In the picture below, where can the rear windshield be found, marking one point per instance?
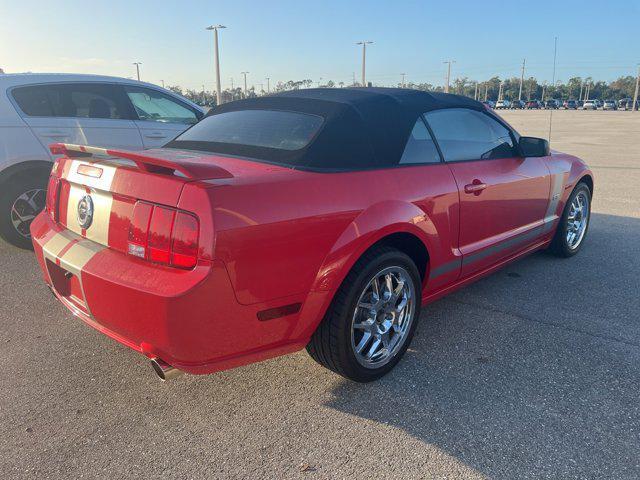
(272, 129)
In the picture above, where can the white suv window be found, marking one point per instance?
(75, 100)
(154, 106)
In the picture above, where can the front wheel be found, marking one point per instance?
(574, 223)
(372, 319)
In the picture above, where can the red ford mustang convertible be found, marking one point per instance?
(318, 218)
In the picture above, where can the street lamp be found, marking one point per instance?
(137, 64)
(217, 60)
(364, 44)
(245, 83)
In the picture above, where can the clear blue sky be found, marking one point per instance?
(302, 39)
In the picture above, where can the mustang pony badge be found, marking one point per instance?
(85, 211)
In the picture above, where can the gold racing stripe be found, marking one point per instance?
(99, 190)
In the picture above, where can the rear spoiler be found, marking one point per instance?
(145, 162)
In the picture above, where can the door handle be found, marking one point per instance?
(476, 187)
(155, 135)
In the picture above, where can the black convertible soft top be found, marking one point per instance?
(363, 127)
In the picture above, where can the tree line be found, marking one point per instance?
(575, 88)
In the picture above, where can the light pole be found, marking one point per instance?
(475, 95)
(521, 79)
(268, 85)
(403, 84)
(162, 83)
(364, 44)
(448, 62)
(217, 60)
(137, 64)
(581, 87)
(204, 98)
(486, 91)
(635, 95)
(245, 83)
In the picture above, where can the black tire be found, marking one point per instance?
(331, 345)
(559, 245)
(11, 191)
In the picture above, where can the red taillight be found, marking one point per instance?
(184, 251)
(159, 243)
(139, 230)
(52, 195)
(164, 235)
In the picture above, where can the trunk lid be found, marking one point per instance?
(95, 190)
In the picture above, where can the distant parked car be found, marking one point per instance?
(517, 104)
(609, 105)
(570, 104)
(628, 105)
(552, 104)
(622, 103)
(489, 104)
(534, 105)
(502, 104)
(590, 105)
(37, 110)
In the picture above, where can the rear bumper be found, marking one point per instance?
(191, 319)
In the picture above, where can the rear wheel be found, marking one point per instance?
(574, 223)
(372, 318)
(22, 197)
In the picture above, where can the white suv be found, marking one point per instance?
(37, 110)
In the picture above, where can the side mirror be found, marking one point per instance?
(534, 147)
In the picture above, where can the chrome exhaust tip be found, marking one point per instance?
(164, 370)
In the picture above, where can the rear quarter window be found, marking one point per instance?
(33, 101)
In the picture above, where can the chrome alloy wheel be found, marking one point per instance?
(383, 317)
(25, 208)
(577, 220)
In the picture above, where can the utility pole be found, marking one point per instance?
(475, 95)
(216, 53)
(364, 44)
(486, 91)
(137, 64)
(268, 86)
(544, 87)
(500, 91)
(204, 98)
(231, 83)
(403, 75)
(162, 83)
(635, 95)
(354, 80)
(448, 62)
(521, 79)
(245, 83)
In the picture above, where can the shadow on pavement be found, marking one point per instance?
(531, 372)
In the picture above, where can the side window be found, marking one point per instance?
(33, 101)
(464, 134)
(75, 100)
(155, 106)
(420, 147)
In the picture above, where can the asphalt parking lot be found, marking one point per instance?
(533, 372)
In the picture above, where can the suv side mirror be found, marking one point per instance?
(534, 147)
